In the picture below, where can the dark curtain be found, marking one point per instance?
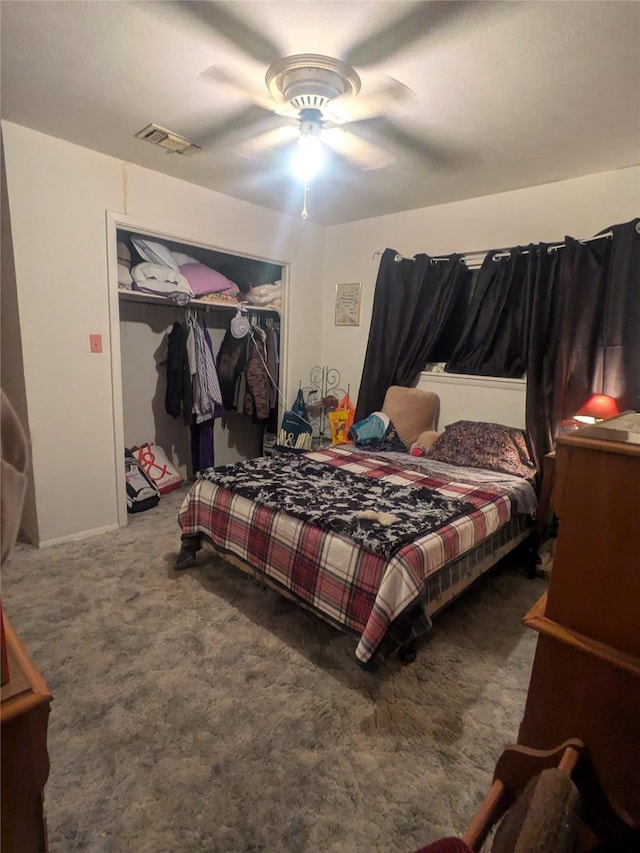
(585, 330)
(494, 338)
(618, 360)
(416, 310)
(582, 276)
(541, 363)
(569, 317)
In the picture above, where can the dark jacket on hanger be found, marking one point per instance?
(231, 362)
(256, 398)
(179, 396)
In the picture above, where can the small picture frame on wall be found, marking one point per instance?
(348, 304)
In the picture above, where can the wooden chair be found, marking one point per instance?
(516, 767)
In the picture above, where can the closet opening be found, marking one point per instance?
(170, 295)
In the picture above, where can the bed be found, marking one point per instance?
(341, 558)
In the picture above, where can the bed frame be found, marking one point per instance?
(470, 566)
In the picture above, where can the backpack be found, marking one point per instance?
(142, 492)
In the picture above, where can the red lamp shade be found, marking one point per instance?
(597, 408)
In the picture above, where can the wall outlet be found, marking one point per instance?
(95, 343)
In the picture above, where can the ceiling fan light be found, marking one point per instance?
(308, 157)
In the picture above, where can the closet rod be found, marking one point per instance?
(499, 253)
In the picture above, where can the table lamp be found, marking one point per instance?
(597, 408)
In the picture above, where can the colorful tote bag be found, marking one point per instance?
(341, 421)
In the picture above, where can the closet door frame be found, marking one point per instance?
(114, 222)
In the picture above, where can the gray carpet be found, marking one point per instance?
(199, 711)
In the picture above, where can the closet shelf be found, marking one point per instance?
(137, 296)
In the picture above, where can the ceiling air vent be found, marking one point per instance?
(167, 139)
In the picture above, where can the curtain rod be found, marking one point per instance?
(499, 253)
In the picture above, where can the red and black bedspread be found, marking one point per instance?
(361, 588)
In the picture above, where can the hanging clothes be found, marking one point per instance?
(179, 394)
(207, 391)
(193, 387)
(256, 398)
(202, 446)
(209, 401)
(231, 362)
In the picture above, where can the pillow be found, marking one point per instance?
(124, 255)
(154, 253)
(205, 280)
(494, 447)
(412, 411)
(180, 258)
(161, 281)
(124, 266)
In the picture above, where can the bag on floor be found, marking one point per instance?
(159, 467)
(142, 492)
(295, 429)
(341, 420)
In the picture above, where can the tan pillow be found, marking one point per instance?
(427, 438)
(412, 411)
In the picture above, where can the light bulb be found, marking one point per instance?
(308, 157)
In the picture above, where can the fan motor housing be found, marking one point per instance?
(309, 80)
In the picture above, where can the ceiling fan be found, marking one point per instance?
(317, 95)
(317, 98)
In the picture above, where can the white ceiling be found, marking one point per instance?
(505, 94)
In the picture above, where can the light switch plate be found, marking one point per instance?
(95, 343)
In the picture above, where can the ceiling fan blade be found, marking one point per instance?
(218, 74)
(346, 108)
(234, 129)
(364, 154)
(270, 139)
(218, 17)
(420, 21)
(443, 155)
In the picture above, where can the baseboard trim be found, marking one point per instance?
(75, 537)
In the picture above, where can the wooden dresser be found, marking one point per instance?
(585, 681)
(24, 714)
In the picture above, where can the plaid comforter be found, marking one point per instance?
(354, 588)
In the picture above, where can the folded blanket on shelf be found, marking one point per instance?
(265, 294)
(161, 281)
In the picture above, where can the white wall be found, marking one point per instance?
(58, 194)
(579, 207)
